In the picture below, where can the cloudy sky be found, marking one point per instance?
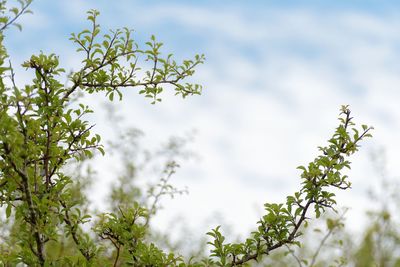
(275, 76)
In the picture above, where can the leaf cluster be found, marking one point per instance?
(111, 63)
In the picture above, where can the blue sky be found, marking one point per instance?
(275, 76)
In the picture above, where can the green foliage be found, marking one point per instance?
(281, 223)
(13, 13)
(43, 129)
(111, 63)
(376, 243)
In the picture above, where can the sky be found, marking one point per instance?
(275, 77)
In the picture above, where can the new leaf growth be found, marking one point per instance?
(281, 224)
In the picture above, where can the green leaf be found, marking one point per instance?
(8, 210)
(14, 10)
(19, 27)
(111, 96)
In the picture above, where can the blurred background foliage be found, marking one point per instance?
(325, 241)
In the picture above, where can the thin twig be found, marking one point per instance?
(294, 255)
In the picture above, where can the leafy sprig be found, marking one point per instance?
(280, 226)
(14, 14)
(111, 63)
